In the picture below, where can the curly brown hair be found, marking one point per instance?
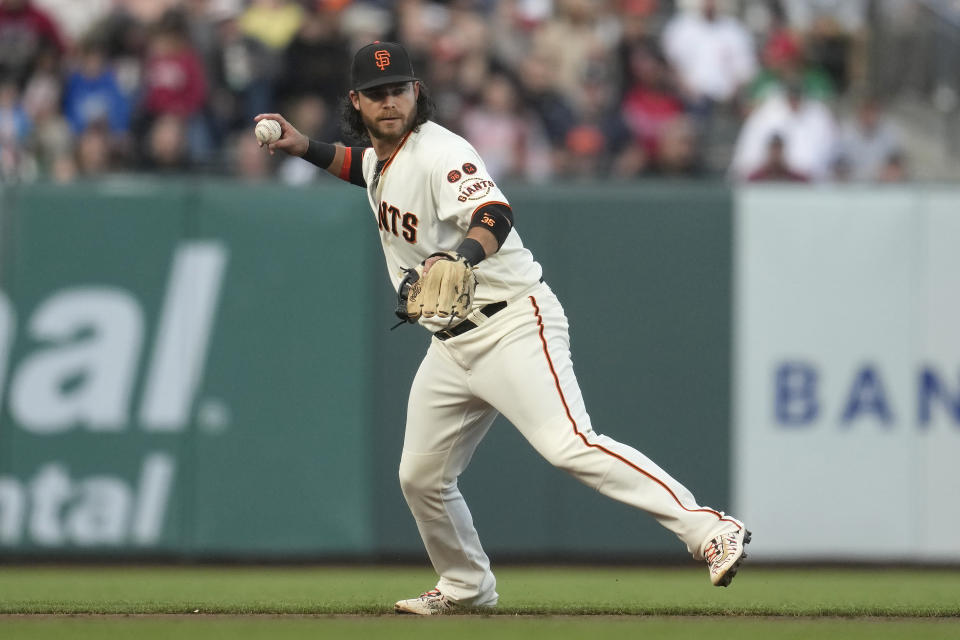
(352, 123)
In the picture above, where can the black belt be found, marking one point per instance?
(466, 325)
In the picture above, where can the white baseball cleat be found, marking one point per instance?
(724, 555)
(431, 603)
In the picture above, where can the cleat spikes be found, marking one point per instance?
(724, 554)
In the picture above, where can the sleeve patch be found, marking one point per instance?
(454, 176)
(469, 168)
(474, 189)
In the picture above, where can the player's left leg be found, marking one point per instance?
(528, 376)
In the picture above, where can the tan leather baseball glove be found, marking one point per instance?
(445, 291)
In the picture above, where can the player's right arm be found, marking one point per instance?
(345, 163)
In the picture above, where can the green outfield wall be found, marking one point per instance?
(200, 369)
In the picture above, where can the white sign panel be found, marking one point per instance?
(847, 372)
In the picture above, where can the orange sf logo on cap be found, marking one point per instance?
(382, 56)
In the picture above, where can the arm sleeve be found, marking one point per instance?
(495, 217)
(352, 169)
(322, 155)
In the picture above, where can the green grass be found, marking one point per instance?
(356, 602)
(758, 591)
(463, 628)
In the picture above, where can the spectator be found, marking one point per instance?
(712, 55)
(418, 24)
(472, 76)
(317, 61)
(868, 140)
(26, 33)
(512, 24)
(236, 76)
(894, 168)
(806, 126)
(274, 23)
(774, 167)
(834, 34)
(204, 18)
(51, 139)
(455, 45)
(465, 33)
(64, 169)
(573, 40)
(362, 23)
(210, 27)
(540, 91)
(93, 157)
(637, 32)
(679, 154)
(93, 95)
(249, 162)
(125, 42)
(166, 145)
(269, 27)
(174, 77)
(784, 60)
(175, 85)
(510, 142)
(445, 76)
(312, 116)
(43, 90)
(650, 104)
(600, 144)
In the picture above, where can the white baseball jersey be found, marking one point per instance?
(424, 199)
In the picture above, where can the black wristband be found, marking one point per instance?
(472, 251)
(320, 153)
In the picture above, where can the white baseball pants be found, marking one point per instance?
(518, 363)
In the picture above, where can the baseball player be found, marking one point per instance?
(500, 342)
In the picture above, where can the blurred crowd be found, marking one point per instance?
(544, 89)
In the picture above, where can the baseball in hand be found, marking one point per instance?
(267, 131)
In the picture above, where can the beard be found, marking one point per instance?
(393, 134)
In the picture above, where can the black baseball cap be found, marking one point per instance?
(380, 63)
